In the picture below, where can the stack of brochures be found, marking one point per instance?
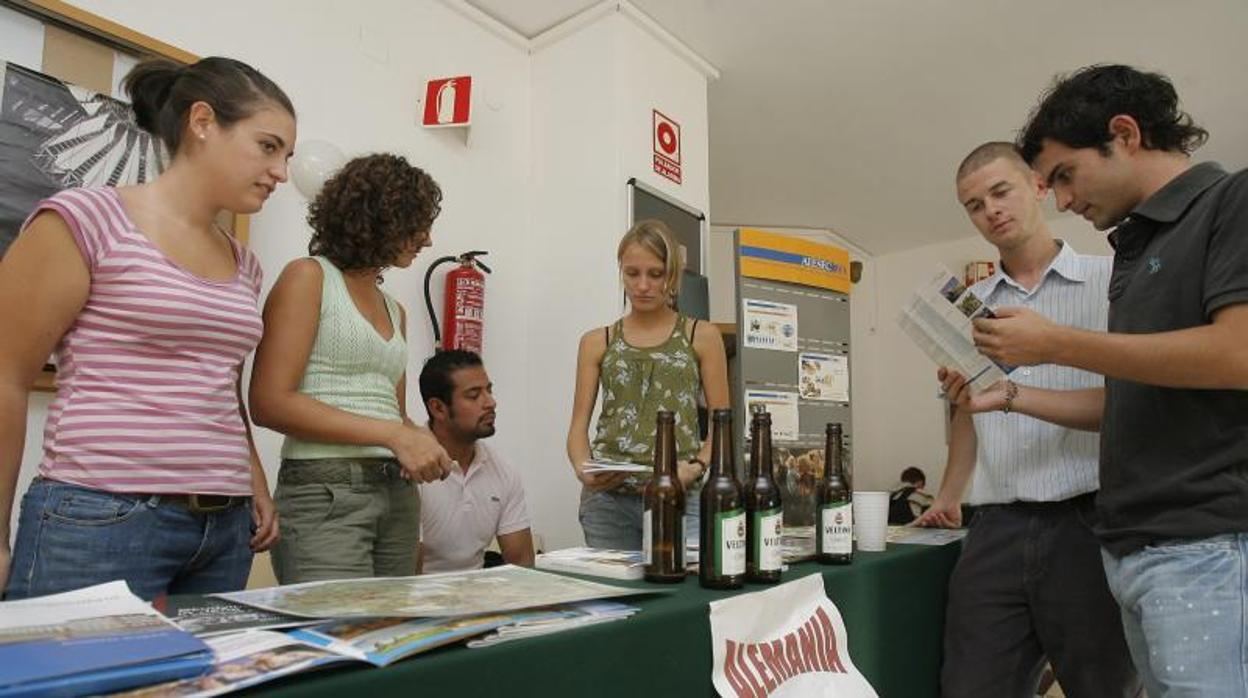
(798, 543)
(575, 615)
(599, 562)
(94, 640)
(914, 535)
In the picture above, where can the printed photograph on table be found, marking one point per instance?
(823, 377)
(769, 325)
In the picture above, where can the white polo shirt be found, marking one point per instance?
(461, 515)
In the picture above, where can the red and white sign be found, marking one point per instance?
(786, 641)
(666, 136)
(448, 102)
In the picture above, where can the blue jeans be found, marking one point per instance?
(612, 519)
(1183, 609)
(69, 537)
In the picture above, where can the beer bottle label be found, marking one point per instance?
(647, 530)
(768, 540)
(730, 542)
(837, 528)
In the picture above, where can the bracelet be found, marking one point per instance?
(701, 464)
(1011, 392)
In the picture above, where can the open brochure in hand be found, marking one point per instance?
(611, 466)
(599, 562)
(207, 616)
(938, 318)
(94, 640)
(245, 659)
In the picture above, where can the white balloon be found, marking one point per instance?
(313, 163)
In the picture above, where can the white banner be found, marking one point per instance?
(785, 641)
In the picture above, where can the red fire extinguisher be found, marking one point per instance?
(463, 305)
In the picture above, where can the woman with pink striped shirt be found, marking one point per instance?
(148, 471)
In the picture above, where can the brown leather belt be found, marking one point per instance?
(204, 503)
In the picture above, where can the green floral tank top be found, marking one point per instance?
(637, 382)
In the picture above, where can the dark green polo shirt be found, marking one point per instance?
(1174, 462)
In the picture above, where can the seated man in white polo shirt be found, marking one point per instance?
(483, 496)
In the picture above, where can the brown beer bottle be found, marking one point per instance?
(721, 526)
(834, 515)
(763, 515)
(663, 501)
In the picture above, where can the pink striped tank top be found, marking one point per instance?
(146, 398)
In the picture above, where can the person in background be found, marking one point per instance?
(149, 474)
(651, 359)
(483, 498)
(909, 499)
(331, 372)
(1029, 581)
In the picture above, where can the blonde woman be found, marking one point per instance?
(653, 358)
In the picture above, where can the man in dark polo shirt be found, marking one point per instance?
(1173, 505)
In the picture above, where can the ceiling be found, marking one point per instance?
(852, 115)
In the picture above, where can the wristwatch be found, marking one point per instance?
(1011, 392)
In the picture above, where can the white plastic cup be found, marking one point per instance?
(871, 520)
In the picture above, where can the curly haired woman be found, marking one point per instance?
(330, 374)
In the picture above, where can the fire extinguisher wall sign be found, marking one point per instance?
(448, 102)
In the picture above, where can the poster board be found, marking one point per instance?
(793, 354)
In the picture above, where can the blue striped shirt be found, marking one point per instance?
(1020, 458)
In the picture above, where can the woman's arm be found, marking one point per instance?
(263, 510)
(588, 366)
(291, 319)
(44, 282)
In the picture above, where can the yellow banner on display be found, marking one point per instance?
(795, 260)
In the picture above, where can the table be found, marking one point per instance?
(893, 603)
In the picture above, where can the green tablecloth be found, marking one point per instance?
(893, 604)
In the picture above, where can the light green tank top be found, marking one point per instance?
(351, 367)
(637, 382)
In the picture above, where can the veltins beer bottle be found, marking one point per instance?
(721, 540)
(663, 501)
(763, 515)
(834, 527)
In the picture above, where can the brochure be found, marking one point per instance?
(245, 659)
(381, 641)
(207, 616)
(599, 562)
(98, 639)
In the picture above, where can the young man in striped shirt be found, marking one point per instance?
(1029, 583)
